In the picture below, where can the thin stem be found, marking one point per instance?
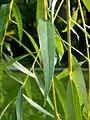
(45, 6)
(55, 103)
(88, 54)
(69, 39)
(60, 5)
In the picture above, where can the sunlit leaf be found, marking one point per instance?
(4, 18)
(74, 112)
(18, 18)
(62, 95)
(19, 106)
(63, 74)
(59, 46)
(47, 47)
(79, 81)
(38, 107)
(87, 4)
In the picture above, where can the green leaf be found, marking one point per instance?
(18, 18)
(74, 17)
(62, 95)
(19, 106)
(32, 41)
(6, 108)
(35, 105)
(47, 47)
(8, 47)
(63, 74)
(79, 81)
(4, 18)
(87, 4)
(74, 112)
(59, 46)
(39, 14)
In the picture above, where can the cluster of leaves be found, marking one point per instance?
(72, 96)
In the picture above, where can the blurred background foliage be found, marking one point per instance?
(28, 13)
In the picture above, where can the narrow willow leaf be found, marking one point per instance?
(12, 60)
(39, 14)
(59, 46)
(87, 4)
(47, 47)
(19, 106)
(18, 18)
(63, 74)
(41, 87)
(32, 41)
(78, 79)
(4, 18)
(62, 96)
(13, 76)
(39, 108)
(74, 112)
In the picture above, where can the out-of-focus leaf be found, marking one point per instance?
(74, 16)
(39, 14)
(46, 36)
(78, 79)
(4, 18)
(19, 106)
(8, 47)
(35, 105)
(18, 18)
(62, 96)
(8, 105)
(13, 76)
(87, 4)
(74, 112)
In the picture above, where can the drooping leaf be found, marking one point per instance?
(19, 106)
(47, 48)
(87, 4)
(38, 107)
(74, 112)
(18, 18)
(61, 95)
(4, 18)
(32, 41)
(79, 81)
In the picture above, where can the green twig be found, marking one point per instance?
(69, 38)
(88, 54)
